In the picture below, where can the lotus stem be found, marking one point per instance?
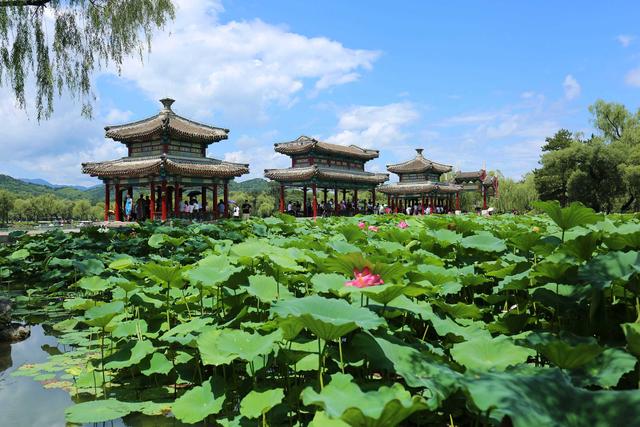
(340, 351)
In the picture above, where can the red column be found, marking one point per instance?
(433, 204)
(118, 203)
(226, 199)
(304, 201)
(152, 201)
(163, 195)
(176, 199)
(355, 201)
(215, 201)
(389, 201)
(204, 199)
(484, 197)
(282, 198)
(106, 201)
(315, 201)
(335, 201)
(458, 201)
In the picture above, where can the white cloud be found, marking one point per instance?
(625, 39)
(374, 126)
(571, 87)
(240, 68)
(633, 77)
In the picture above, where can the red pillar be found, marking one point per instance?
(484, 197)
(226, 199)
(389, 201)
(106, 201)
(458, 201)
(433, 204)
(355, 201)
(215, 201)
(118, 203)
(152, 201)
(204, 199)
(422, 205)
(163, 196)
(304, 201)
(176, 199)
(315, 201)
(281, 198)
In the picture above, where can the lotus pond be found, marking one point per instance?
(366, 321)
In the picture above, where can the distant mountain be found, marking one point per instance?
(255, 185)
(46, 183)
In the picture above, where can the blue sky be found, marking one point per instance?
(470, 82)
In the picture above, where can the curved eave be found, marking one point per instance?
(418, 188)
(222, 170)
(326, 174)
(304, 144)
(178, 127)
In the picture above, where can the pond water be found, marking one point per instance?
(24, 402)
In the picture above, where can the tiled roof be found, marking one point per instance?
(305, 144)
(470, 176)
(145, 166)
(419, 188)
(419, 164)
(178, 128)
(328, 174)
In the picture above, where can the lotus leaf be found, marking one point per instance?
(254, 404)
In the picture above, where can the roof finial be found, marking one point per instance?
(419, 151)
(166, 103)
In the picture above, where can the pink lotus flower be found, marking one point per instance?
(373, 228)
(403, 224)
(364, 279)
(362, 225)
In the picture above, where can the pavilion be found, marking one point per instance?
(321, 165)
(419, 185)
(167, 155)
(478, 181)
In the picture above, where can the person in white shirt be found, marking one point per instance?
(236, 212)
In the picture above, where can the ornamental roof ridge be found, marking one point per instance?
(304, 144)
(419, 164)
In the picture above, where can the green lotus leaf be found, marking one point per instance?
(328, 319)
(266, 289)
(98, 411)
(198, 403)
(166, 274)
(545, 397)
(222, 346)
(632, 334)
(605, 370)
(461, 310)
(89, 266)
(483, 242)
(445, 238)
(101, 315)
(343, 399)
(568, 356)
(320, 419)
(328, 283)
(566, 218)
(19, 255)
(482, 354)
(129, 354)
(382, 294)
(159, 364)
(129, 328)
(211, 271)
(93, 284)
(123, 262)
(251, 249)
(254, 404)
(78, 304)
(602, 269)
(343, 247)
(157, 240)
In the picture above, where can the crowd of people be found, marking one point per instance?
(349, 207)
(140, 209)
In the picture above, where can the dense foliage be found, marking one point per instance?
(58, 44)
(602, 171)
(429, 321)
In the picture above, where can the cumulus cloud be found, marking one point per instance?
(240, 68)
(374, 126)
(571, 87)
(633, 77)
(625, 39)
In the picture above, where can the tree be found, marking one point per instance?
(561, 140)
(6, 205)
(516, 195)
(59, 50)
(82, 210)
(552, 178)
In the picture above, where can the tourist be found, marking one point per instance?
(140, 208)
(221, 208)
(246, 210)
(147, 208)
(236, 212)
(128, 207)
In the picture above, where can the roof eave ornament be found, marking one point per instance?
(166, 103)
(419, 151)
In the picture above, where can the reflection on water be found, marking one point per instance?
(24, 402)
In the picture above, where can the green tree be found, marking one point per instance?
(85, 36)
(558, 163)
(561, 140)
(7, 201)
(516, 195)
(82, 210)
